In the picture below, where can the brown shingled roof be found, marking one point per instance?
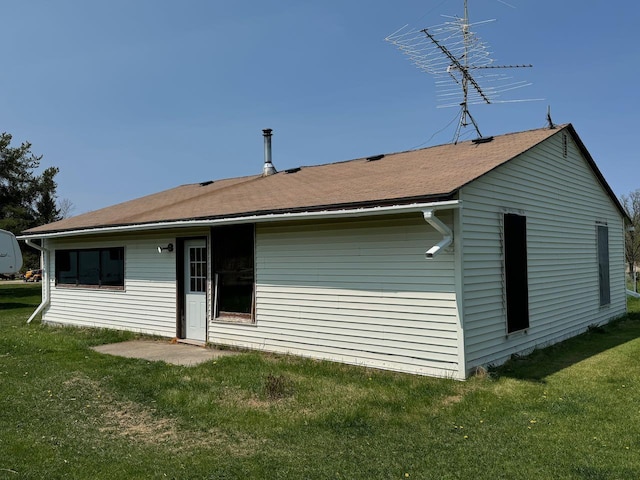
(434, 173)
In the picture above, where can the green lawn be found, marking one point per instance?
(568, 412)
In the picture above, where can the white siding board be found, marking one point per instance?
(389, 344)
(356, 291)
(373, 320)
(355, 307)
(429, 298)
(562, 199)
(422, 364)
(375, 328)
(438, 307)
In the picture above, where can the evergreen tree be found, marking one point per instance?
(26, 199)
(45, 203)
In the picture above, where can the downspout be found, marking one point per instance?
(45, 278)
(447, 234)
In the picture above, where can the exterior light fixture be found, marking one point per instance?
(168, 248)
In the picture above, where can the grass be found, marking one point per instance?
(571, 411)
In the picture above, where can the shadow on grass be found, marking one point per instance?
(12, 305)
(19, 291)
(546, 361)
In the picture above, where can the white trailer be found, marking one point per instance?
(10, 254)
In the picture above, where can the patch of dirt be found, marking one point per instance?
(127, 419)
(463, 390)
(451, 400)
(137, 423)
(238, 398)
(117, 417)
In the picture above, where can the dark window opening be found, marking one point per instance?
(233, 266)
(603, 264)
(98, 267)
(515, 272)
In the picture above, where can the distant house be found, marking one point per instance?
(524, 244)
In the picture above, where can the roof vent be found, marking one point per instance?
(208, 182)
(374, 158)
(292, 170)
(268, 168)
(482, 140)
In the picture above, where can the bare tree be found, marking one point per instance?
(66, 208)
(631, 204)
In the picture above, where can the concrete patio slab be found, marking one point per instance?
(165, 351)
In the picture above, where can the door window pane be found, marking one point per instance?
(197, 269)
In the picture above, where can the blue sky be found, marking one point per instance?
(133, 97)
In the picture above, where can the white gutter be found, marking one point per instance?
(274, 217)
(633, 294)
(447, 234)
(45, 278)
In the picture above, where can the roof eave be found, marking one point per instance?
(319, 212)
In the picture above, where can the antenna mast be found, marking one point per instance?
(466, 77)
(460, 63)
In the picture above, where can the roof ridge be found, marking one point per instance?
(466, 142)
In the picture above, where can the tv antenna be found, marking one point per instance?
(461, 65)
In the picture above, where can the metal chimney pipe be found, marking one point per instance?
(268, 169)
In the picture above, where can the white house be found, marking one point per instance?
(524, 242)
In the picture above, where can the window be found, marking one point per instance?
(515, 272)
(602, 240)
(233, 268)
(97, 267)
(197, 269)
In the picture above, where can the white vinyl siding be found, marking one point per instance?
(148, 302)
(562, 201)
(358, 292)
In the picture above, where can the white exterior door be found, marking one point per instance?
(195, 289)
